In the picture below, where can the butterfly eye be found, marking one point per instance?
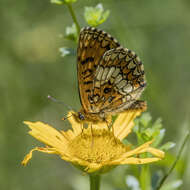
(81, 116)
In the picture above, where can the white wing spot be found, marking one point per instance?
(116, 72)
(128, 88)
(111, 70)
(118, 79)
(121, 84)
(100, 72)
(104, 75)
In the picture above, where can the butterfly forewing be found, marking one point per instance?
(93, 43)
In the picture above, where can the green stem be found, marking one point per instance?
(69, 5)
(94, 182)
(174, 164)
(145, 178)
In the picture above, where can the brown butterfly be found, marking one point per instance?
(110, 78)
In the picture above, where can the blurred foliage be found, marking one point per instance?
(60, 2)
(31, 68)
(71, 33)
(95, 16)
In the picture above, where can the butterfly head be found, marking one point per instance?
(83, 117)
(79, 116)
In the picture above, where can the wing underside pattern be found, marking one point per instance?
(110, 78)
(93, 43)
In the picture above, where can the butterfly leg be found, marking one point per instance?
(82, 129)
(111, 128)
(92, 142)
(109, 124)
(65, 117)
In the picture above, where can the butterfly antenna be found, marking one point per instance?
(59, 101)
(65, 117)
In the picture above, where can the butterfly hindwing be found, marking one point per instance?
(118, 82)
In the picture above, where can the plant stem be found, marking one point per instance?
(145, 178)
(69, 5)
(94, 182)
(175, 162)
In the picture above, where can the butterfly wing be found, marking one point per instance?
(93, 43)
(118, 83)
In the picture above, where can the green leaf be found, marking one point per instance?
(157, 124)
(147, 130)
(95, 16)
(71, 32)
(159, 137)
(167, 146)
(172, 185)
(145, 119)
(136, 127)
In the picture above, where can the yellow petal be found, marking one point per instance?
(124, 123)
(144, 148)
(156, 152)
(132, 160)
(93, 167)
(48, 135)
(45, 150)
(69, 134)
(141, 149)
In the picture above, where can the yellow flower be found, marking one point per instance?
(95, 148)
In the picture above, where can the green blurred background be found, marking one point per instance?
(31, 68)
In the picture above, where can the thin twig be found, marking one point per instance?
(73, 16)
(175, 162)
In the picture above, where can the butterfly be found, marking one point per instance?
(110, 78)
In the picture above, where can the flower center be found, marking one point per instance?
(97, 146)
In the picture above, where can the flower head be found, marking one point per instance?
(95, 148)
(95, 16)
